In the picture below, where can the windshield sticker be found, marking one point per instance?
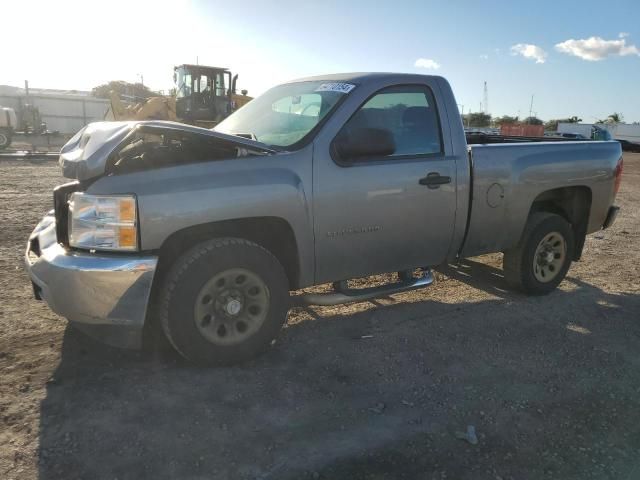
(336, 87)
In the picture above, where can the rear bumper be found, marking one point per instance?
(611, 216)
(90, 289)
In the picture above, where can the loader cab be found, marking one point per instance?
(203, 94)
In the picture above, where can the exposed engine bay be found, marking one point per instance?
(148, 148)
(118, 147)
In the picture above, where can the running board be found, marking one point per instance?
(348, 295)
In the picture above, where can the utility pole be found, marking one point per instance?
(531, 107)
(486, 98)
(461, 107)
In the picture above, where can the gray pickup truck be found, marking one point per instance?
(321, 180)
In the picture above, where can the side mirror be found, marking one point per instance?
(364, 143)
(234, 80)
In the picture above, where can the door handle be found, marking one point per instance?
(434, 180)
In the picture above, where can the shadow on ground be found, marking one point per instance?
(551, 385)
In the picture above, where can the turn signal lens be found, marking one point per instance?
(128, 210)
(127, 237)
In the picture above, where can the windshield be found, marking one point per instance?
(183, 83)
(286, 114)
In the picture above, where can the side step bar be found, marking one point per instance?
(343, 294)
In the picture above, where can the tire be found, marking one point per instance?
(5, 139)
(546, 235)
(204, 301)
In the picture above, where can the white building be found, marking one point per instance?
(66, 111)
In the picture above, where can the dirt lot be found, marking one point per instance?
(376, 390)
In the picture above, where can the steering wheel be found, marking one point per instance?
(316, 104)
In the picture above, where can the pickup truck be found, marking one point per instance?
(204, 233)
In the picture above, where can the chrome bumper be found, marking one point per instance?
(89, 288)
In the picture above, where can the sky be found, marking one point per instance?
(574, 57)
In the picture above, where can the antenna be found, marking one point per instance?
(486, 98)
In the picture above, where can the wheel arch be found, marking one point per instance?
(274, 234)
(571, 203)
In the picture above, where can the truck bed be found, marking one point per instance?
(508, 177)
(483, 139)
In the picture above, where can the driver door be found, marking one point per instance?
(390, 209)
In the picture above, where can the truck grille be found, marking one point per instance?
(61, 209)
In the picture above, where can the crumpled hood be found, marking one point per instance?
(85, 155)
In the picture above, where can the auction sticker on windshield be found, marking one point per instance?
(335, 87)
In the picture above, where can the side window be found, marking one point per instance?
(395, 122)
(200, 84)
(220, 89)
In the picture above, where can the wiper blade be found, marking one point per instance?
(250, 136)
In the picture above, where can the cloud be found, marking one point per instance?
(595, 49)
(427, 63)
(623, 34)
(529, 51)
(484, 56)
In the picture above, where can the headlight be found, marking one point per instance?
(103, 222)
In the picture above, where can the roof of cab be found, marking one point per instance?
(364, 77)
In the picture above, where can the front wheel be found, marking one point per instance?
(543, 256)
(224, 301)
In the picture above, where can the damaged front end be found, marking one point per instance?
(105, 289)
(113, 147)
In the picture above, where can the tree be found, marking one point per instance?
(137, 91)
(505, 120)
(476, 119)
(532, 121)
(615, 117)
(552, 125)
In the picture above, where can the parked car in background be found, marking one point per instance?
(572, 136)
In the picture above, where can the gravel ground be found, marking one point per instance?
(376, 390)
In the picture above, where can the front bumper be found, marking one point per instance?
(100, 290)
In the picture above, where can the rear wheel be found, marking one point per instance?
(541, 260)
(224, 301)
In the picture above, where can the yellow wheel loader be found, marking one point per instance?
(204, 96)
